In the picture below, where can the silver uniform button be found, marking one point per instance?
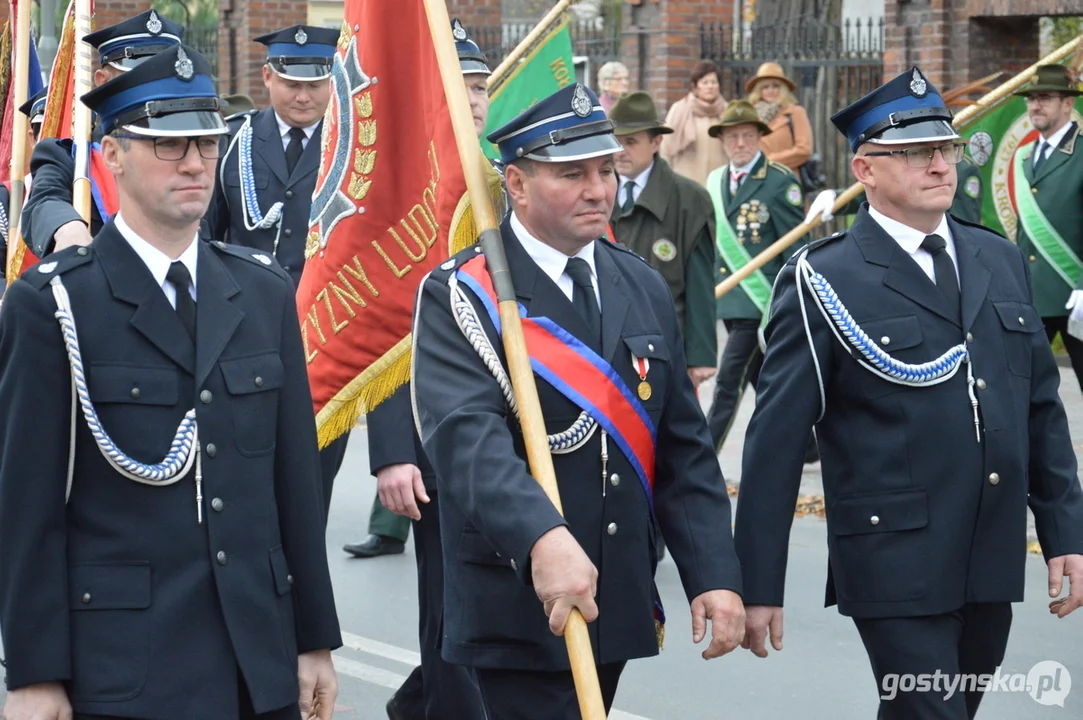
(614, 480)
(135, 393)
(874, 520)
(514, 565)
(1022, 321)
(221, 557)
(969, 337)
(981, 384)
(885, 340)
(86, 598)
(289, 579)
(212, 450)
(994, 479)
(259, 381)
(650, 347)
(612, 529)
(217, 504)
(206, 396)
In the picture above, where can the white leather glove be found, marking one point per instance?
(823, 205)
(1075, 319)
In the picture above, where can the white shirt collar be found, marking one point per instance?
(548, 258)
(1055, 138)
(157, 261)
(640, 180)
(284, 129)
(746, 169)
(910, 238)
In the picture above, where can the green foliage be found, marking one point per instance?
(1065, 29)
(204, 13)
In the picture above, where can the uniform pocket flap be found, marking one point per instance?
(881, 512)
(280, 569)
(898, 333)
(130, 384)
(110, 586)
(252, 374)
(473, 548)
(1018, 317)
(647, 346)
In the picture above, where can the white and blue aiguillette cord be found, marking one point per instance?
(182, 453)
(878, 362)
(253, 217)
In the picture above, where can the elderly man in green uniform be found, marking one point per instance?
(1048, 196)
(756, 202)
(667, 220)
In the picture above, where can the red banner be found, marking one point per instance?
(59, 107)
(383, 213)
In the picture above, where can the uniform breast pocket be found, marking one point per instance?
(232, 175)
(1020, 321)
(899, 337)
(253, 384)
(120, 393)
(655, 384)
(110, 629)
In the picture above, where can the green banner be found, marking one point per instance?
(547, 68)
(992, 142)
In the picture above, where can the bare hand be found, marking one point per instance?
(1070, 566)
(398, 486)
(71, 234)
(319, 684)
(564, 578)
(727, 615)
(700, 374)
(760, 618)
(46, 701)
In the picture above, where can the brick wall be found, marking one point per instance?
(661, 43)
(111, 12)
(475, 13)
(240, 21)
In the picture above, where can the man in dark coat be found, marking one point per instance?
(268, 173)
(626, 461)
(911, 343)
(168, 559)
(50, 222)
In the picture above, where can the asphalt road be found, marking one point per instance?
(822, 674)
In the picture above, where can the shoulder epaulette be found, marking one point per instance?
(978, 226)
(816, 244)
(786, 169)
(256, 257)
(240, 116)
(622, 248)
(56, 264)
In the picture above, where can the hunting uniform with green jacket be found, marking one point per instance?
(671, 226)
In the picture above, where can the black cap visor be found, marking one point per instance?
(474, 67)
(580, 149)
(919, 132)
(128, 57)
(190, 123)
(302, 69)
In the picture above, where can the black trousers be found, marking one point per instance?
(969, 642)
(437, 690)
(330, 462)
(535, 695)
(738, 368)
(1073, 345)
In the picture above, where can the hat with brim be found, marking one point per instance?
(129, 43)
(170, 95)
(472, 60)
(636, 112)
(304, 53)
(770, 71)
(737, 113)
(34, 108)
(1051, 78)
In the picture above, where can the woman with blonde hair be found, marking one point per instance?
(790, 140)
(689, 150)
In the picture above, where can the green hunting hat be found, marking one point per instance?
(1052, 78)
(739, 112)
(636, 112)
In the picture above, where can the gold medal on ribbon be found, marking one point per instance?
(642, 365)
(644, 390)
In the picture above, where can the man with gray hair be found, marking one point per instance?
(613, 81)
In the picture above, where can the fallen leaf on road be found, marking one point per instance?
(732, 490)
(1034, 547)
(809, 505)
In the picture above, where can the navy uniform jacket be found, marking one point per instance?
(225, 218)
(49, 204)
(121, 594)
(492, 511)
(921, 518)
(393, 438)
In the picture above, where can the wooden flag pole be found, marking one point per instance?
(522, 376)
(20, 127)
(527, 43)
(965, 116)
(81, 116)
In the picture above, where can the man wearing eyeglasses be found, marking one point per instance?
(1048, 195)
(167, 559)
(911, 343)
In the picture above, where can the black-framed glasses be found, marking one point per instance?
(922, 157)
(176, 148)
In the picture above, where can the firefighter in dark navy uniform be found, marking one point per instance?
(168, 559)
(514, 567)
(268, 173)
(49, 220)
(911, 343)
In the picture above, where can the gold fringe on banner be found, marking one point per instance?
(6, 52)
(381, 379)
(62, 69)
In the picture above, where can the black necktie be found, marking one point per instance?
(294, 149)
(583, 294)
(1042, 148)
(629, 197)
(179, 277)
(943, 268)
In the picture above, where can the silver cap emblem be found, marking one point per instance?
(918, 85)
(581, 104)
(183, 66)
(457, 31)
(301, 37)
(154, 25)
(262, 258)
